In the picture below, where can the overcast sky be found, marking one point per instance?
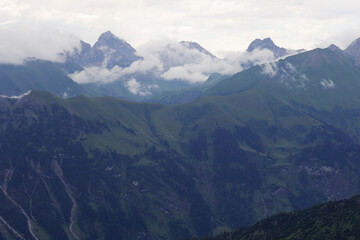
(218, 25)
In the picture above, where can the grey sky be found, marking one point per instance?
(218, 25)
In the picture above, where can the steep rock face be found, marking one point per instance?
(109, 51)
(353, 51)
(82, 56)
(112, 51)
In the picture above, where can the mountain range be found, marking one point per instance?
(278, 136)
(112, 67)
(275, 137)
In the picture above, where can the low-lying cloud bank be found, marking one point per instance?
(19, 42)
(174, 61)
(165, 59)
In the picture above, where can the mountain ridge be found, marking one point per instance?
(168, 162)
(332, 220)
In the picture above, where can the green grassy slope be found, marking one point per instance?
(246, 154)
(319, 78)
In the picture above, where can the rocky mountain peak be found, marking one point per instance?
(110, 40)
(261, 44)
(267, 43)
(108, 51)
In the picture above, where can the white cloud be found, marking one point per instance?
(138, 88)
(20, 42)
(270, 69)
(179, 62)
(240, 59)
(12, 9)
(17, 97)
(97, 75)
(327, 83)
(184, 73)
(151, 62)
(173, 61)
(292, 81)
(27, 30)
(217, 24)
(234, 62)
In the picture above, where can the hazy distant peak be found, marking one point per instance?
(107, 34)
(267, 43)
(261, 44)
(112, 41)
(195, 45)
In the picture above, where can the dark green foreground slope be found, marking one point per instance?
(332, 220)
(104, 168)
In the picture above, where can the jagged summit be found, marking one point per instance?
(112, 51)
(260, 44)
(108, 51)
(267, 43)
